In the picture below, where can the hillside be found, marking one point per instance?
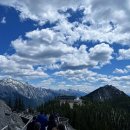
(106, 93)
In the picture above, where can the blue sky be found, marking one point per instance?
(61, 44)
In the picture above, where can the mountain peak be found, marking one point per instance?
(9, 80)
(109, 86)
(12, 82)
(107, 92)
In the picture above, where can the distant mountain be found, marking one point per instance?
(71, 92)
(11, 89)
(105, 93)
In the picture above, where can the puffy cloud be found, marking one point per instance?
(76, 60)
(54, 48)
(120, 71)
(76, 75)
(125, 70)
(41, 47)
(89, 80)
(12, 68)
(44, 47)
(44, 10)
(102, 53)
(106, 18)
(124, 54)
(33, 49)
(40, 10)
(44, 35)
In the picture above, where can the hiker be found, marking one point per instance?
(37, 126)
(60, 127)
(42, 119)
(30, 126)
(51, 122)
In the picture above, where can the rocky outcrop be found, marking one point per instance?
(7, 117)
(5, 113)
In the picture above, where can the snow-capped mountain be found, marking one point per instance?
(10, 89)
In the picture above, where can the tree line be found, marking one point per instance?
(17, 105)
(91, 115)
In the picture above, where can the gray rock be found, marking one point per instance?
(7, 117)
(15, 122)
(5, 113)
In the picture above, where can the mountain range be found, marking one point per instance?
(11, 89)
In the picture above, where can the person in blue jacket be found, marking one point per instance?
(42, 119)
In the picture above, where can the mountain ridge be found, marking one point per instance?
(107, 92)
(10, 89)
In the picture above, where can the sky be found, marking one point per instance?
(66, 44)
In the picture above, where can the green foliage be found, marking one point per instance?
(19, 104)
(92, 115)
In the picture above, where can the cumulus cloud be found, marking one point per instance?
(106, 18)
(91, 80)
(76, 73)
(102, 53)
(120, 71)
(76, 60)
(40, 10)
(124, 54)
(44, 47)
(12, 68)
(54, 47)
(125, 70)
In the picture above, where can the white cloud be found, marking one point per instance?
(12, 68)
(77, 59)
(124, 54)
(40, 10)
(72, 73)
(44, 47)
(120, 71)
(102, 53)
(44, 35)
(128, 67)
(125, 70)
(53, 48)
(3, 20)
(91, 80)
(99, 13)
